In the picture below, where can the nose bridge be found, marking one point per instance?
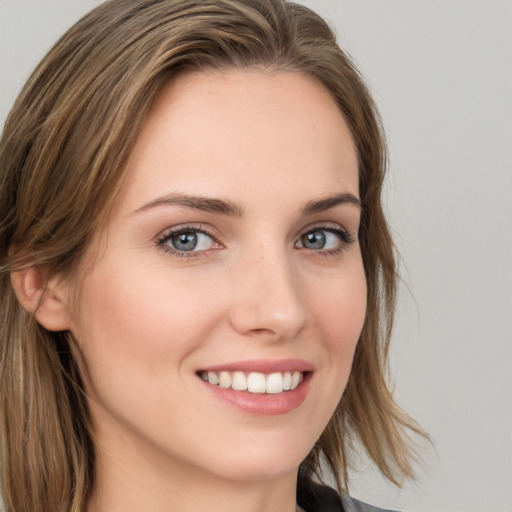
(268, 299)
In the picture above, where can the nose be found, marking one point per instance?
(267, 298)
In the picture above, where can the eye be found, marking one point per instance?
(190, 241)
(187, 240)
(329, 239)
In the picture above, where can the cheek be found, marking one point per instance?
(338, 308)
(136, 330)
(136, 324)
(341, 310)
(340, 315)
(141, 306)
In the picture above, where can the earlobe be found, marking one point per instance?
(47, 299)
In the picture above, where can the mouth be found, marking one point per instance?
(255, 382)
(261, 388)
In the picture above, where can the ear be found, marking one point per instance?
(47, 298)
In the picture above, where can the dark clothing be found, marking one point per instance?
(313, 497)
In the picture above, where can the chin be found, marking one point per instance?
(249, 471)
(262, 462)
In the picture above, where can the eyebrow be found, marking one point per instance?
(225, 207)
(206, 204)
(327, 203)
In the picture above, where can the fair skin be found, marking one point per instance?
(221, 253)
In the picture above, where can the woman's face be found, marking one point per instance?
(231, 255)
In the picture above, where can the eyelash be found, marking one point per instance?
(166, 236)
(344, 236)
(345, 239)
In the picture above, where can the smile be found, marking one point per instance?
(260, 387)
(254, 382)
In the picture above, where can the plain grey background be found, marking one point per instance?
(441, 72)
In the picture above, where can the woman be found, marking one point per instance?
(197, 277)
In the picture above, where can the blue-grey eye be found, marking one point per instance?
(320, 239)
(187, 241)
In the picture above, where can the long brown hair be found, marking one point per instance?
(61, 163)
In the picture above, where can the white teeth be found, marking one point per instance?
(295, 380)
(212, 378)
(287, 381)
(239, 381)
(224, 380)
(274, 383)
(255, 382)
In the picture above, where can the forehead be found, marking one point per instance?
(241, 130)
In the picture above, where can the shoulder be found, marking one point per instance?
(352, 505)
(313, 497)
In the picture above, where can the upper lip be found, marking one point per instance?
(263, 366)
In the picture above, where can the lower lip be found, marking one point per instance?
(263, 404)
